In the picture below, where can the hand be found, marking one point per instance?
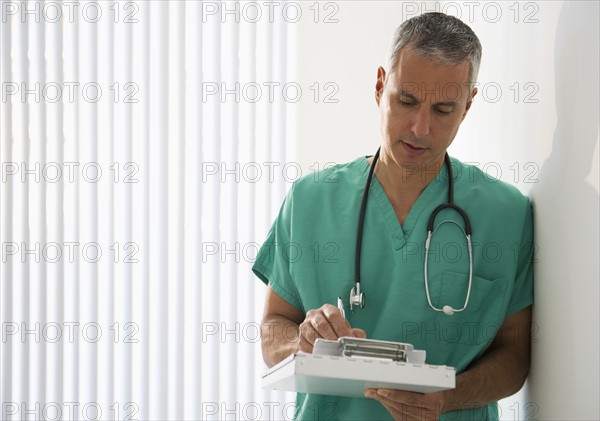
(409, 405)
(327, 323)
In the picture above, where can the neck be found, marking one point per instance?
(403, 184)
(405, 180)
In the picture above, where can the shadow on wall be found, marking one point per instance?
(566, 208)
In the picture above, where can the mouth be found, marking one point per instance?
(413, 149)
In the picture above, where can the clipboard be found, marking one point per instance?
(348, 366)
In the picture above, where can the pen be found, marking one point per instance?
(341, 307)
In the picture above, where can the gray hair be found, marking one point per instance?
(441, 37)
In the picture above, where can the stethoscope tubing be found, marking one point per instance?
(357, 297)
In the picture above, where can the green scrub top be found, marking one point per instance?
(308, 260)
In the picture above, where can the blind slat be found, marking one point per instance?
(87, 278)
(153, 296)
(194, 351)
(141, 226)
(158, 217)
(176, 193)
(124, 241)
(6, 219)
(55, 224)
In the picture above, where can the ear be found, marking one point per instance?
(469, 102)
(380, 84)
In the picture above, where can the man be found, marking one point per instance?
(422, 98)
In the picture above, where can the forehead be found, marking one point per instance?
(422, 76)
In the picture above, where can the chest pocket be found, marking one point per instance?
(480, 321)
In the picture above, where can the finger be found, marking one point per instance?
(400, 395)
(410, 404)
(392, 409)
(389, 397)
(307, 329)
(321, 324)
(396, 415)
(306, 345)
(400, 411)
(316, 326)
(358, 333)
(339, 325)
(376, 394)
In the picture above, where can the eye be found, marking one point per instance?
(445, 110)
(407, 102)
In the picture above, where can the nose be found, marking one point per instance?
(420, 126)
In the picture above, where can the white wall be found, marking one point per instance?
(339, 53)
(534, 123)
(566, 201)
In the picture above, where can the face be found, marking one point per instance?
(421, 105)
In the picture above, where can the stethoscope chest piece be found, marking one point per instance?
(357, 298)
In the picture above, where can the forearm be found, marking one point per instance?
(495, 376)
(499, 373)
(279, 339)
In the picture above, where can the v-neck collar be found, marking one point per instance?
(400, 233)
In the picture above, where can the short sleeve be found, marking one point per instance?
(522, 292)
(272, 264)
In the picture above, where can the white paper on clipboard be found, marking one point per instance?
(330, 373)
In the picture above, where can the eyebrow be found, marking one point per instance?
(414, 98)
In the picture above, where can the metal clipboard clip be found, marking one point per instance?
(369, 348)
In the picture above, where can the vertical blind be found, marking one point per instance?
(138, 142)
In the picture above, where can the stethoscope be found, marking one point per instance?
(357, 297)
